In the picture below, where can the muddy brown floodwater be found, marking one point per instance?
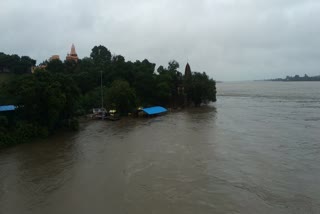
(257, 150)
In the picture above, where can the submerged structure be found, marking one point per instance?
(154, 110)
(7, 108)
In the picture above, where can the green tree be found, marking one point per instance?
(55, 66)
(86, 75)
(173, 66)
(144, 81)
(168, 82)
(15, 64)
(100, 55)
(202, 89)
(46, 99)
(121, 96)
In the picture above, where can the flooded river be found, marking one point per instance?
(257, 150)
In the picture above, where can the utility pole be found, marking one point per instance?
(101, 92)
(102, 111)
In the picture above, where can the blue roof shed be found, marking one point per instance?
(154, 110)
(7, 108)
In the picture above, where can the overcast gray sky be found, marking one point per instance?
(229, 39)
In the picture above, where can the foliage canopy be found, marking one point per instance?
(51, 98)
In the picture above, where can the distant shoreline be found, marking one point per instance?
(291, 80)
(297, 78)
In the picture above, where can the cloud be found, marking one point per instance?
(229, 39)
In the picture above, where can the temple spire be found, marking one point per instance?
(187, 72)
(73, 54)
(73, 50)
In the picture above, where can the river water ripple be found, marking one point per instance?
(256, 150)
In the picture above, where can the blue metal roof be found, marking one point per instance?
(7, 108)
(154, 110)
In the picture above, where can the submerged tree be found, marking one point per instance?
(121, 96)
(57, 92)
(46, 99)
(202, 89)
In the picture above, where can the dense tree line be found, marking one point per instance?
(298, 78)
(53, 97)
(15, 64)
